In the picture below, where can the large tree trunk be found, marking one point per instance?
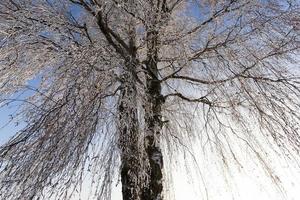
(133, 160)
(135, 157)
(146, 158)
(153, 119)
(129, 140)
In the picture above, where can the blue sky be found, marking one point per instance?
(8, 127)
(7, 130)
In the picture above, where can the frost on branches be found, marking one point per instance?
(119, 86)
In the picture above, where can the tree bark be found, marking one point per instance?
(136, 158)
(153, 119)
(132, 151)
(152, 142)
(148, 158)
(129, 139)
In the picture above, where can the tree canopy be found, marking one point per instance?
(120, 86)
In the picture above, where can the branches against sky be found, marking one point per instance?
(227, 71)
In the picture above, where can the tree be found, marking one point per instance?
(119, 82)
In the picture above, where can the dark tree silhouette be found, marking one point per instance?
(119, 84)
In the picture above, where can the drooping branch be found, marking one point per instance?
(203, 99)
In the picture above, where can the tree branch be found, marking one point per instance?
(203, 99)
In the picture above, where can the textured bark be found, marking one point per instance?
(128, 141)
(152, 140)
(134, 185)
(153, 119)
(133, 181)
(150, 185)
